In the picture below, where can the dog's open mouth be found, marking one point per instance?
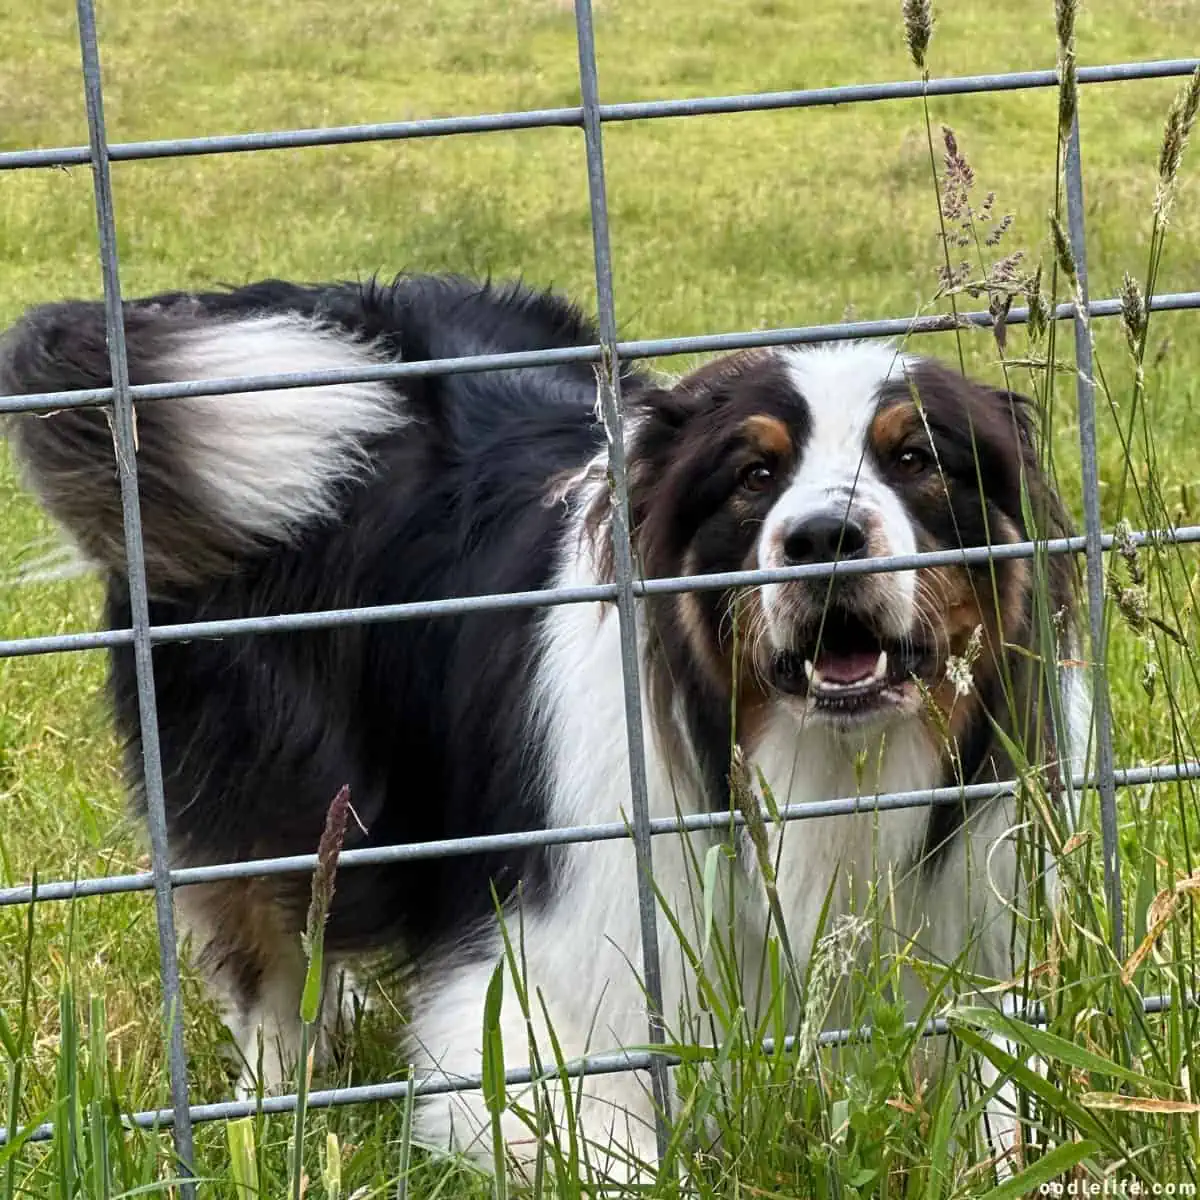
(846, 669)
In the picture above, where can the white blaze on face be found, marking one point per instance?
(835, 473)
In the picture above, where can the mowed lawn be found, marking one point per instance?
(718, 223)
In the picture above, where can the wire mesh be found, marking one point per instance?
(589, 116)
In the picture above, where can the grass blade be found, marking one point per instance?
(1048, 1167)
(494, 1094)
(243, 1158)
(1049, 1046)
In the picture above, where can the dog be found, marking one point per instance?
(463, 484)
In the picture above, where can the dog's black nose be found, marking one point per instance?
(825, 537)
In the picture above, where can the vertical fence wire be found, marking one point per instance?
(610, 399)
(1093, 548)
(125, 446)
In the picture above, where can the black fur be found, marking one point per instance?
(427, 722)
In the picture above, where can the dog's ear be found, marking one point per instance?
(658, 415)
(1023, 413)
(656, 419)
(653, 418)
(657, 422)
(1005, 413)
(1049, 514)
(672, 408)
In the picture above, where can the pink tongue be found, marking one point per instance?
(847, 668)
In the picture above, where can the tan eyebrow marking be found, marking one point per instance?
(770, 435)
(893, 425)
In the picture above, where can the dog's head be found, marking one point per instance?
(779, 458)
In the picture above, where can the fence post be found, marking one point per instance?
(126, 453)
(1093, 547)
(610, 401)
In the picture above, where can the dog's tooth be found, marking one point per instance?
(810, 672)
(881, 664)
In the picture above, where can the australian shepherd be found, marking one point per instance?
(376, 493)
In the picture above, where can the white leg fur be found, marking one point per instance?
(269, 1011)
(275, 1021)
(614, 1115)
(972, 894)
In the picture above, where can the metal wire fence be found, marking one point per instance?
(590, 116)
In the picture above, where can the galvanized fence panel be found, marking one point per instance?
(627, 589)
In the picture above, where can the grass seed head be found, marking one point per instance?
(328, 850)
(1068, 84)
(1063, 254)
(1149, 678)
(1180, 120)
(1068, 95)
(959, 178)
(1133, 603)
(998, 307)
(1133, 313)
(960, 668)
(1065, 12)
(918, 29)
(997, 234)
(1039, 308)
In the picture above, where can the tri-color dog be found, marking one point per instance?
(373, 493)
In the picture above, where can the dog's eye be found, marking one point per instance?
(757, 477)
(914, 460)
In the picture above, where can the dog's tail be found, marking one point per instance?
(219, 476)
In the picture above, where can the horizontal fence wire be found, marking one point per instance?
(78, 889)
(58, 643)
(802, 335)
(572, 116)
(587, 116)
(400, 1090)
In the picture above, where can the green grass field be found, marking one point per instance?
(718, 223)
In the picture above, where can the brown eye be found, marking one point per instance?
(914, 460)
(757, 477)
